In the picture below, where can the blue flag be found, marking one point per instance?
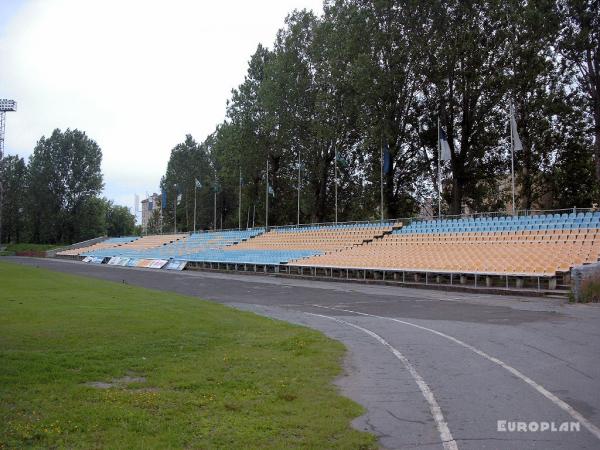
(444, 146)
(387, 160)
(163, 202)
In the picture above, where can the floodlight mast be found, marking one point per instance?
(5, 106)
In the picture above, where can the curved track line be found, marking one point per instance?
(440, 422)
(541, 389)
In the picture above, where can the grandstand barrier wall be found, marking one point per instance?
(579, 276)
(525, 284)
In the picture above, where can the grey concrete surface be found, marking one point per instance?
(555, 345)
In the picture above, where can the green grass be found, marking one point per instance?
(214, 377)
(30, 247)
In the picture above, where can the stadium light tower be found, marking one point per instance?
(5, 106)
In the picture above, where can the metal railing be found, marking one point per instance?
(405, 220)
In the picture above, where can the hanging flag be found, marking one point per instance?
(198, 184)
(179, 198)
(163, 202)
(387, 160)
(216, 187)
(444, 146)
(517, 144)
(271, 191)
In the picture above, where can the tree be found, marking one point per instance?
(13, 173)
(65, 180)
(188, 162)
(119, 220)
(580, 46)
(154, 223)
(372, 74)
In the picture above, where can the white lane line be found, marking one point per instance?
(440, 422)
(541, 389)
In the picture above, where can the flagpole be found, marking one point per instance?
(175, 211)
(195, 198)
(215, 204)
(240, 202)
(267, 199)
(298, 211)
(336, 183)
(512, 162)
(381, 174)
(439, 172)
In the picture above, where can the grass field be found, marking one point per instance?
(92, 364)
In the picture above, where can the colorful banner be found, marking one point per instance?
(176, 265)
(144, 263)
(158, 263)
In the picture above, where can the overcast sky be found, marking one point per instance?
(136, 75)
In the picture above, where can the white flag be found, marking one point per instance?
(517, 144)
(198, 184)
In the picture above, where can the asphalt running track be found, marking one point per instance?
(433, 369)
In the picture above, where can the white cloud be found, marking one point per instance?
(135, 75)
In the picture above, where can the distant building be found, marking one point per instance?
(148, 206)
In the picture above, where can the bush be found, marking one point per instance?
(590, 290)
(25, 247)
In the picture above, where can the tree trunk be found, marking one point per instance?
(390, 202)
(457, 195)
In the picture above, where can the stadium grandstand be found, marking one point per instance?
(535, 251)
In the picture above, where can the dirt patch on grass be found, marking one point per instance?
(122, 382)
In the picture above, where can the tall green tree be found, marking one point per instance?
(119, 220)
(188, 161)
(579, 44)
(65, 180)
(13, 173)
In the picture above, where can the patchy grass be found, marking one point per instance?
(93, 364)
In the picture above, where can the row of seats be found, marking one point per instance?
(250, 256)
(505, 223)
(336, 227)
(107, 243)
(321, 240)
